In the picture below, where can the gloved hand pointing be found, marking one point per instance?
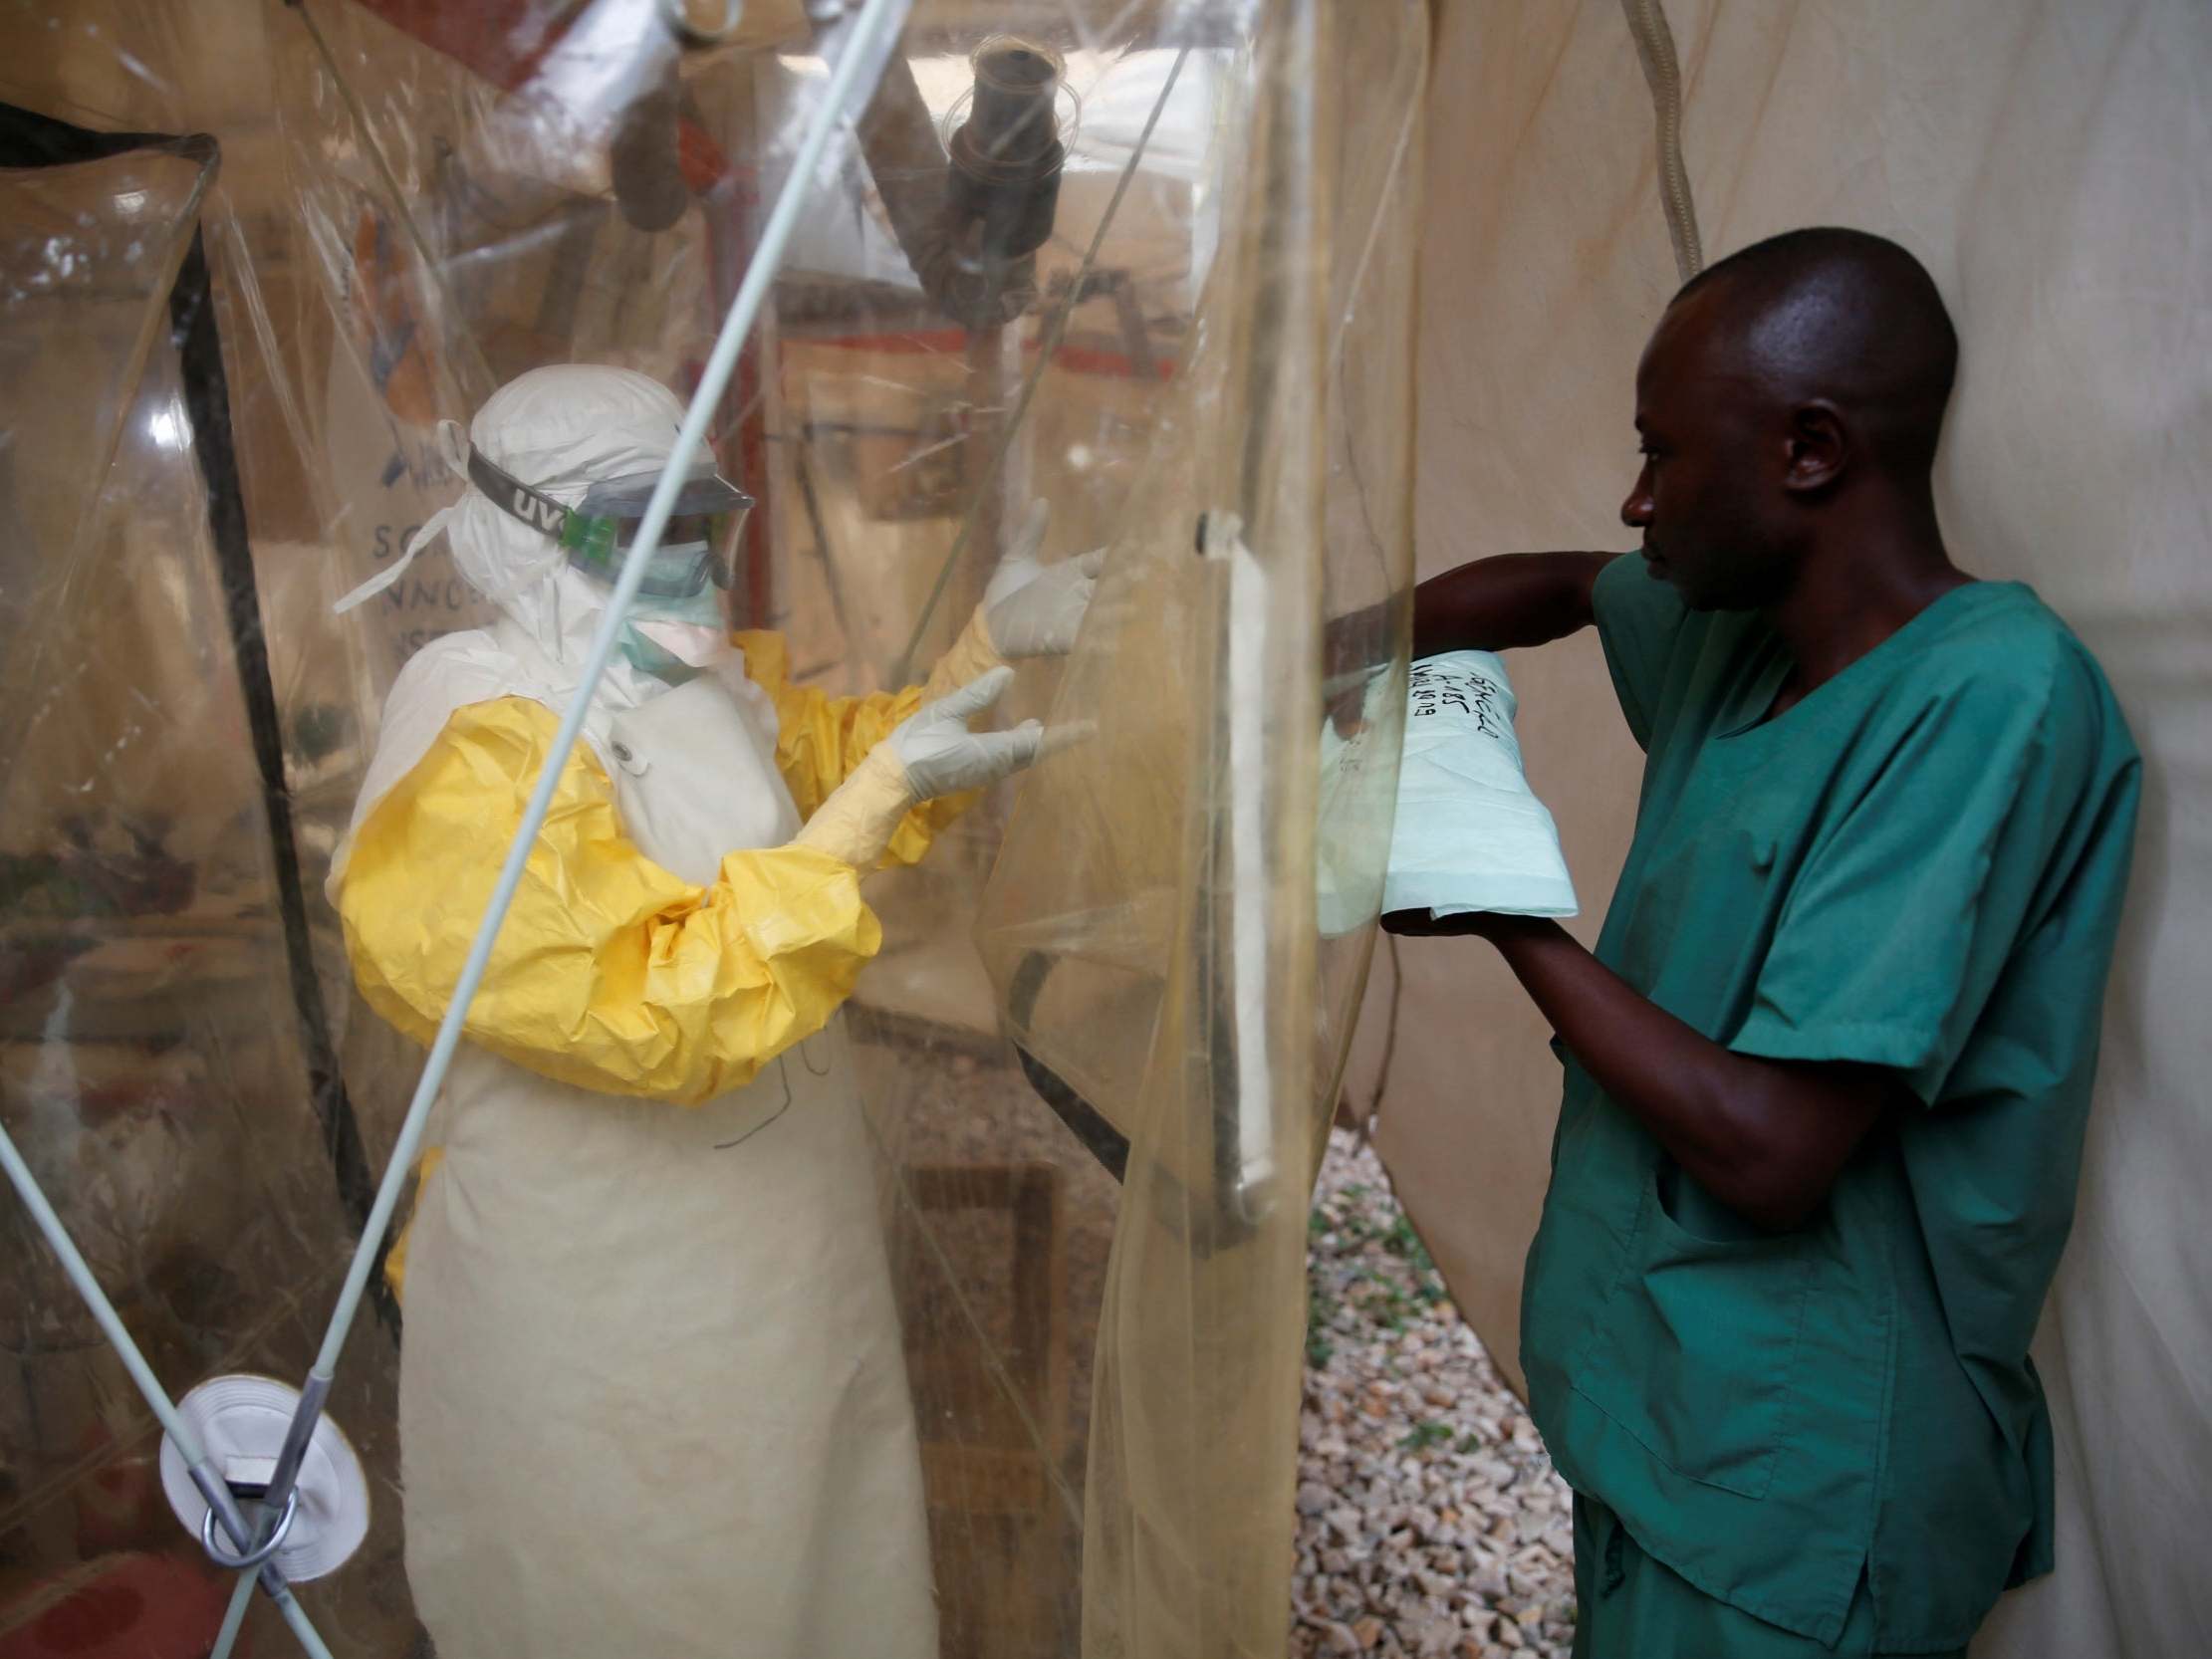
(940, 754)
(928, 754)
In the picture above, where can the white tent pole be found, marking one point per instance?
(103, 1310)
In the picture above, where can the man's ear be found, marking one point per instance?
(1818, 447)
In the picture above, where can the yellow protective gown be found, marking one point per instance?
(651, 1395)
(613, 972)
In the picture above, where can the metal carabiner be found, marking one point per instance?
(222, 1557)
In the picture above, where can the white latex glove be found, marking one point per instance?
(942, 757)
(1034, 609)
(929, 753)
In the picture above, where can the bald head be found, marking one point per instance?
(1835, 316)
(1790, 404)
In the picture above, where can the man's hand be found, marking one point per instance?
(1424, 924)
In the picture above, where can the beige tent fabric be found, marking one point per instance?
(1531, 316)
(2052, 164)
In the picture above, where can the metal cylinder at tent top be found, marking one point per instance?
(1007, 156)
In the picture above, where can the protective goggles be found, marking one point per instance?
(709, 515)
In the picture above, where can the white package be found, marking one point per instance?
(1469, 835)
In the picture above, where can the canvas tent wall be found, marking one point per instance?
(2052, 166)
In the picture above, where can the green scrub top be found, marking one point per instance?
(1919, 865)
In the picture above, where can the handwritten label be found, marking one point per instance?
(1435, 690)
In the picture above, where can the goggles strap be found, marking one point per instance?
(516, 499)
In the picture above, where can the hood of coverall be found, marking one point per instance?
(562, 429)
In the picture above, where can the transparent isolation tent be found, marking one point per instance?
(1149, 261)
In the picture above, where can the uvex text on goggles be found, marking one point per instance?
(709, 515)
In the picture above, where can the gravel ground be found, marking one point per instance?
(1430, 1520)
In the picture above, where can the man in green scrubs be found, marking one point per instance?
(1828, 1067)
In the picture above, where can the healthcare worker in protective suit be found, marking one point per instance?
(652, 1396)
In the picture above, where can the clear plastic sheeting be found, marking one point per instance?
(164, 1058)
(1149, 264)
(1151, 923)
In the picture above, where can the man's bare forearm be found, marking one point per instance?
(1766, 1138)
(1513, 600)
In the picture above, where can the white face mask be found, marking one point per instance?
(673, 638)
(694, 644)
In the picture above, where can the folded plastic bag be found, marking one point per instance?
(1469, 835)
